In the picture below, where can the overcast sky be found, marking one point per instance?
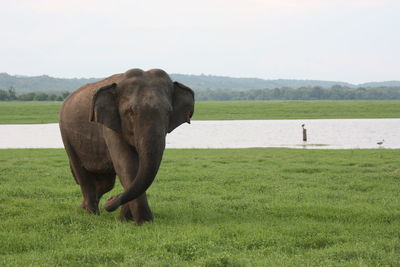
(343, 40)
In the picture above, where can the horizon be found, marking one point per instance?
(353, 41)
(202, 74)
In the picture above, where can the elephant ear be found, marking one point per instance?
(104, 108)
(182, 106)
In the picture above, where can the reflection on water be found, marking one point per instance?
(323, 134)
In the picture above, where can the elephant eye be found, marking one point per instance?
(129, 110)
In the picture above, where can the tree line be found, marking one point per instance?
(10, 95)
(335, 92)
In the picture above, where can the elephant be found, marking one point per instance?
(117, 127)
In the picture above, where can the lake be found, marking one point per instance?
(322, 134)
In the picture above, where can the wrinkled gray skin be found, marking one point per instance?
(117, 126)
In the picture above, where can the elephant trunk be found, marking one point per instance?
(150, 150)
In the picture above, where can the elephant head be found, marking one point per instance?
(142, 107)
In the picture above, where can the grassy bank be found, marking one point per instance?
(18, 112)
(296, 110)
(47, 112)
(232, 207)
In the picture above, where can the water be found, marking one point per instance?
(331, 134)
(325, 134)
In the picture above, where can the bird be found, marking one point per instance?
(302, 125)
(380, 142)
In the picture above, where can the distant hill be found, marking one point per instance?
(380, 84)
(44, 83)
(221, 82)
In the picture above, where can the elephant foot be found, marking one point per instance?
(91, 209)
(142, 213)
(140, 216)
(125, 214)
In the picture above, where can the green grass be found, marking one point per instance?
(228, 207)
(29, 112)
(269, 110)
(47, 112)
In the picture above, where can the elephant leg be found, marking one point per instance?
(104, 183)
(85, 180)
(137, 210)
(90, 201)
(126, 163)
(125, 213)
(141, 210)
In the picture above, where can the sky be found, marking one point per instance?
(353, 41)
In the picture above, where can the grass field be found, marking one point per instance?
(47, 112)
(228, 207)
(29, 112)
(268, 110)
